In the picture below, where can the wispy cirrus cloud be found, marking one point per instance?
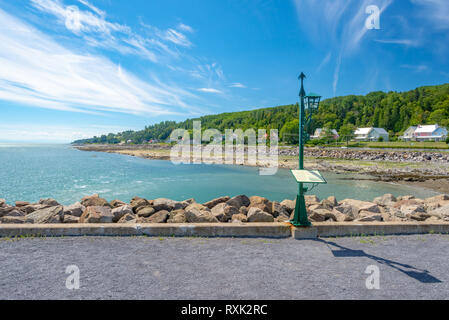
(435, 11)
(209, 90)
(93, 25)
(238, 85)
(341, 26)
(37, 71)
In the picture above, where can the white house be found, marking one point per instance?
(321, 133)
(371, 134)
(409, 134)
(430, 133)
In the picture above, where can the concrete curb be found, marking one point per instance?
(268, 230)
(263, 230)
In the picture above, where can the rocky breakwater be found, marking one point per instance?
(239, 209)
(370, 155)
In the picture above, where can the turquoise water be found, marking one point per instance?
(32, 172)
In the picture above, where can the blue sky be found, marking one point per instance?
(76, 68)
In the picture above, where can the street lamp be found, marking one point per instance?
(311, 102)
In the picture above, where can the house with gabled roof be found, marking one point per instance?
(430, 133)
(371, 134)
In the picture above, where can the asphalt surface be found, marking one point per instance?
(411, 267)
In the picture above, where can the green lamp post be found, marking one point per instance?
(311, 102)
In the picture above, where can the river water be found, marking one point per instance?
(31, 172)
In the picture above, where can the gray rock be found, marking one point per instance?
(69, 219)
(139, 203)
(75, 209)
(257, 215)
(5, 210)
(214, 202)
(333, 201)
(21, 204)
(280, 210)
(49, 202)
(289, 204)
(261, 203)
(117, 203)
(311, 199)
(195, 215)
(95, 201)
(47, 215)
(159, 217)
(177, 216)
(97, 214)
(15, 220)
(119, 212)
(15, 213)
(367, 216)
(2, 202)
(128, 218)
(145, 212)
(239, 218)
(164, 204)
(224, 212)
(386, 200)
(239, 201)
(362, 205)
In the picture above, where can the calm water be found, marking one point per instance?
(32, 172)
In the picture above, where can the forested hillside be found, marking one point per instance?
(393, 111)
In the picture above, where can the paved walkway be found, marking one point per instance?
(413, 267)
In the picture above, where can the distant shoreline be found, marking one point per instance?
(411, 167)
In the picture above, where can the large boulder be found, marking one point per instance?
(15, 220)
(343, 216)
(362, 205)
(164, 204)
(333, 201)
(279, 210)
(138, 203)
(95, 201)
(214, 202)
(442, 212)
(320, 215)
(21, 204)
(197, 213)
(289, 204)
(177, 216)
(47, 215)
(128, 218)
(68, 219)
(119, 212)
(2, 202)
(49, 202)
(5, 210)
(145, 212)
(366, 216)
(75, 209)
(117, 203)
(409, 202)
(224, 212)
(261, 203)
(386, 200)
(311, 199)
(15, 213)
(239, 201)
(97, 214)
(257, 215)
(239, 218)
(408, 210)
(159, 217)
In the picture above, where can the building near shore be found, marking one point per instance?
(430, 133)
(321, 133)
(409, 134)
(371, 134)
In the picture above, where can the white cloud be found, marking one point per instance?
(416, 68)
(93, 26)
(39, 72)
(436, 12)
(185, 28)
(405, 42)
(209, 90)
(237, 85)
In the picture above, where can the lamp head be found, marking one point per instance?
(312, 102)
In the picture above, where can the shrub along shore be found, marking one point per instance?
(239, 209)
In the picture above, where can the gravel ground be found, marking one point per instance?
(411, 267)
